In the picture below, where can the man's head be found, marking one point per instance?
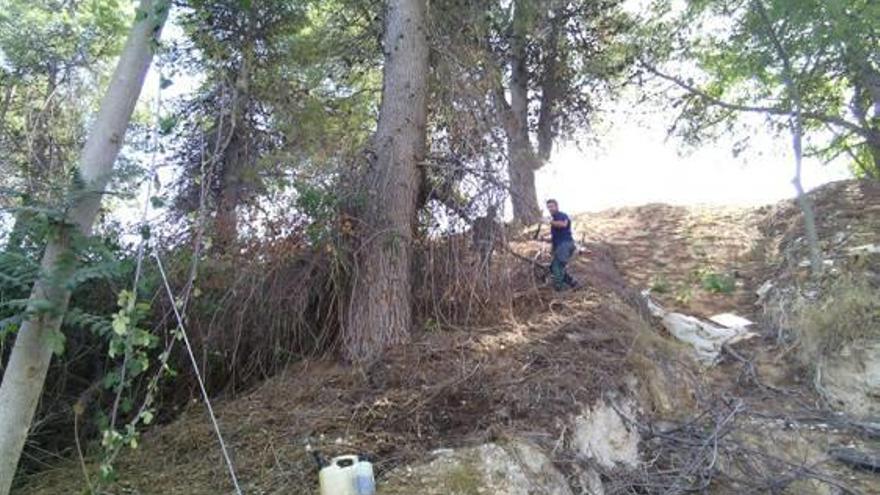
(552, 206)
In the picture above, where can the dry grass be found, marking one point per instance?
(526, 375)
(848, 313)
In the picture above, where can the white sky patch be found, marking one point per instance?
(634, 163)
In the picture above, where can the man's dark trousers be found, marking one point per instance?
(562, 254)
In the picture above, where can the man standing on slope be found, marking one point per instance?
(563, 246)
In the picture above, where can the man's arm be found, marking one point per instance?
(560, 224)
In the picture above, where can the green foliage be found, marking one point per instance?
(35, 34)
(718, 283)
(660, 285)
(301, 79)
(832, 47)
(321, 205)
(135, 346)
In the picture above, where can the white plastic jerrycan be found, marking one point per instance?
(347, 475)
(337, 478)
(364, 482)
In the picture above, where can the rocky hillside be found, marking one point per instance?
(593, 391)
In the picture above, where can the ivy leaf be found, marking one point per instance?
(56, 342)
(120, 324)
(110, 380)
(147, 417)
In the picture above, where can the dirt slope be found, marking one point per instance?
(523, 376)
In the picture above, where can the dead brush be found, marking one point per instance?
(848, 312)
(254, 316)
(456, 288)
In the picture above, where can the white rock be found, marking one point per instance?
(731, 320)
(763, 291)
(866, 249)
(601, 435)
(851, 379)
(515, 468)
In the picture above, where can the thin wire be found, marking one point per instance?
(192, 358)
(154, 147)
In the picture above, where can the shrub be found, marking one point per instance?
(660, 285)
(849, 312)
(718, 283)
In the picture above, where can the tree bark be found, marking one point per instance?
(549, 92)
(235, 158)
(521, 155)
(237, 154)
(29, 361)
(521, 172)
(380, 311)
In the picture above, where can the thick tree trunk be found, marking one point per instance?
(549, 92)
(26, 371)
(521, 172)
(380, 312)
(229, 196)
(522, 159)
(237, 154)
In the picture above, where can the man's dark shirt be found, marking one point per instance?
(560, 234)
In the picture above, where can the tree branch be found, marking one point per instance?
(819, 117)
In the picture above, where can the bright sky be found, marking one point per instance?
(634, 163)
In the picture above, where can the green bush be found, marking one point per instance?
(660, 285)
(718, 283)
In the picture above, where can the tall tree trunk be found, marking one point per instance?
(237, 154)
(380, 312)
(549, 91)
(522, 159)
(521, 173)
(29, 361)
(229, 195)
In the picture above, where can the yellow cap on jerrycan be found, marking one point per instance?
(338, 477)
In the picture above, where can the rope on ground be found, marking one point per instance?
(195, 365)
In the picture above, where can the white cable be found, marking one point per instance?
(154, 138)
(192, 358)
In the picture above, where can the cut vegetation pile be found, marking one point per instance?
(445, 389)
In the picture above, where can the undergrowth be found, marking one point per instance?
(848, 313)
